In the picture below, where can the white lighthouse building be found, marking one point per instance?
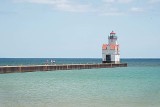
(110, 51)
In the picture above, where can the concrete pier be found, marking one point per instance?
(32, 68)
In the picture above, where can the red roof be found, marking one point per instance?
(112, 32)
(113, 47)
(104, 46)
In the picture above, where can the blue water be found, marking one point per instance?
(39, 61)
(137, 85)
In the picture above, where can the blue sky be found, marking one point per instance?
(78, 28)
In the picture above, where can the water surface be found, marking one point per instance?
(137, 85)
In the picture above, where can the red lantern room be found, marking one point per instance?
(112, 32)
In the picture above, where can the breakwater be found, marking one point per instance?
(32, 68)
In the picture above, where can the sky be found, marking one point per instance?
(78, 28)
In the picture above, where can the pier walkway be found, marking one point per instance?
(31, 68)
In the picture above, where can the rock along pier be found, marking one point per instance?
(32, 68)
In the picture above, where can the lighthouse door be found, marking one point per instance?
(108, 58)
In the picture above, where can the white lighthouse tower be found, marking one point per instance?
(110, 51)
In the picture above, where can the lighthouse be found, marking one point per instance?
(110, 51)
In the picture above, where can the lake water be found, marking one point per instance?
(137, 85)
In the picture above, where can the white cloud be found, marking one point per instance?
(109, 1)
(115, 7)
(137, 9)
(110, 11)
(117, 1)
(154, 1)
(72, 8)
(105, 7)
(37, 1)
(112, 14)
(64, 5)
(124, 1)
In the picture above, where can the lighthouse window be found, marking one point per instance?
(113, 37)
